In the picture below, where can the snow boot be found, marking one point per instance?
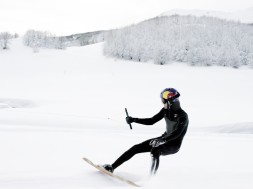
(108, 167)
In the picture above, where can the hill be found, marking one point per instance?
(195, 40)
(244, 16)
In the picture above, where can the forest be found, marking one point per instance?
(203, 41)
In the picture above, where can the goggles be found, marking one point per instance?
(164, 101)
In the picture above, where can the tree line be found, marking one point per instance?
(5, 38)
(43, 39)
(196, 40)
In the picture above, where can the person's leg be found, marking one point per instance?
(155, 159)
(154, 164)
(138, 148)
(165, 149)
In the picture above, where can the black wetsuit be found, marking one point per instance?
(176, 126)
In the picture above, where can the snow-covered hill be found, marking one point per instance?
(244, 16)
(57, 106)
(189, 39)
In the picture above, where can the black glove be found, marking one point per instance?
(129, 119)
(157, 142)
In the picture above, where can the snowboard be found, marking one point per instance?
(102, 170)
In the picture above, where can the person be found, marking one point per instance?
(168, 143)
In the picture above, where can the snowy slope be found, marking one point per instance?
(244, 16)
(57, 106)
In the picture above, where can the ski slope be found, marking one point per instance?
(57, 106)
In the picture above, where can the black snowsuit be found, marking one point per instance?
(176, 126)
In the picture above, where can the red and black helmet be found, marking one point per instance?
(169, 95)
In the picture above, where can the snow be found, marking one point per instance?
(57, 106)
(244, 16)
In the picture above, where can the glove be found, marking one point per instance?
(157, 142)
(129, 120)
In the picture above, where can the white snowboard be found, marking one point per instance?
(101, 169)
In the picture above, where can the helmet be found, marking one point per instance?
(169, 95)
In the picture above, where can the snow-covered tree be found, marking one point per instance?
(5, 40)
(39, 39)
(201, 41)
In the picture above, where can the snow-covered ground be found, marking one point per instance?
(57, 106)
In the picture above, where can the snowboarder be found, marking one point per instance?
(169, 143)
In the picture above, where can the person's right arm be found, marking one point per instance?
(147, 121)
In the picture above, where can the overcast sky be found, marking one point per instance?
(65, 17)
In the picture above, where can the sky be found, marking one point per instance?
(66, 17)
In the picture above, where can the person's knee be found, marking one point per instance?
(134, 147)
(169, 151)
